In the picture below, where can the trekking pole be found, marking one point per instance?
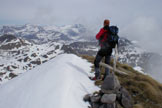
(115, 59)
(114, 69)
(111, 68)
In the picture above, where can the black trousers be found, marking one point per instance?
(100, 55)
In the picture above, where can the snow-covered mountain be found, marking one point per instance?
(59, 83)
(32, 45)
(43, 34)
(18, 55)
(9, 42)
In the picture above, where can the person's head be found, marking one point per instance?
(106, 22)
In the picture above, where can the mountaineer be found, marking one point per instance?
(108, 39)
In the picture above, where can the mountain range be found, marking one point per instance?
(24, 47)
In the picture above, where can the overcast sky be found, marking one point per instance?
(137, 19)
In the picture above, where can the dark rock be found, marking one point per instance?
(103, 106)
(2, 65)
(7, 38)
(81, 48)
(95, 98)
(38, 61)
(110, 85)
(30, 65)
(15, 67)
(57, 47)
(68, 49)
(108, 98)
(6, 77)
(8, 68)
(12, 75)
(111, 95)
(44, 61)
(50, 52)
(25, 67)
(18, 52)
(126, 99)
(1, 73)
(87, 97)
(118, 96)
(20, 60)
(9, 46)
(26, 59)
(95, 105)
(118, 105)
(45, 56)
(111, 105)
(34, 55)
(25, 54)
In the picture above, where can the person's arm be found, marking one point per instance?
(100, 33)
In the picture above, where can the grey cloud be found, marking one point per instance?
(137, 19)
(146, 30)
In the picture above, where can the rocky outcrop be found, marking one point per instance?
(11, 42)
(111, 95)
(12, 75)
(34, 55)
(7, 38)
(26, 59)
(37, 61)
(68, 49)
(85, 48)
(45, 56)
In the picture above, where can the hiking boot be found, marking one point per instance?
(97, 74)
(95, 78)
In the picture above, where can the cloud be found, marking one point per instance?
(146, 30)
(134, 18)
(67, 11)
(44, 15)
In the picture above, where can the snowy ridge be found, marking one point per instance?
(59, 83)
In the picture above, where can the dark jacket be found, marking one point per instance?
(102, 36)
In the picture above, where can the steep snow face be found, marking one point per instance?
(59, 83)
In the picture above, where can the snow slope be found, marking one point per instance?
(59, 83)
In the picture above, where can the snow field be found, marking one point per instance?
(59, 83)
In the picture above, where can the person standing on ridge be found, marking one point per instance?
(104, 36)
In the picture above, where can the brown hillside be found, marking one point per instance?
(146, 92)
